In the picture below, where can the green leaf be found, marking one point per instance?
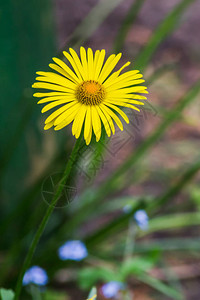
(6, 294)
(172, 221)
(159, 286)
(90, 276)
(135, 266)
(54, 295)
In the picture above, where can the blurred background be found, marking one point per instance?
(143, 241)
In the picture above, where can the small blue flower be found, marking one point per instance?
(35, 275)
(111, 289)
(142, 219)
(73, 250)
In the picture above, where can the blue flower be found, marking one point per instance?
(35, 275)
(73, 250)
(111, 289)
(142, 219)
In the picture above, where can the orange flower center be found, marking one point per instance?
(90, 92)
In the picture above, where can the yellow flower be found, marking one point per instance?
(88, 94)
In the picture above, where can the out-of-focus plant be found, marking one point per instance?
(110, 255)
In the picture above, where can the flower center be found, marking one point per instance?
(90, 92)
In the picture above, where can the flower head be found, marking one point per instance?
(35, 275)
(112, 288)
(142, 219)
(87, 94)
(73, 250)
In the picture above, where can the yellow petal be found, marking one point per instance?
(108, 68)
(99, 64)
(68, 98)
(108, 117)
(123, 101)
(109, 60)
(90, 63)
(62, 72)
(67, 121)
(119, 94)
(64, 116)
(73, 64)
(54, 104)
(50, 94)
(66, 68)
(96, 123)
(57, 79)
(54, 87)
(114, 116)
(122, 114)
(48, 125)
(78, 63)
(135, 89)
(127, 75)
(104, 120)
(124, 84)
(84, 61)
(88, 126)
(59, 111)
(78, 121)
(96, 57)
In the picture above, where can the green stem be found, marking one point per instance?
(47, 215)
(127, 23)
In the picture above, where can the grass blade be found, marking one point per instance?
(159, 286)
(95, 17)
(162, 31)
(127, 23)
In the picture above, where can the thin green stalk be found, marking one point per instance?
(111, 183)
(122, 221)
(172, 116)
(127, 23)
(163, 30)
(171, 192)
(47, 215)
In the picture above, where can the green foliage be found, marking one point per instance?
(101, 224)
(6, 294)
(89, 276)
(54, 295)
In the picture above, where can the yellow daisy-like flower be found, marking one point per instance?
(88, 95)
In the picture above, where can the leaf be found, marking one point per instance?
(54, 295)
(172, 221)
(160, 286)
(6, 294)
(90, 276)
(135, 266)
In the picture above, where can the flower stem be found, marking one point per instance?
(47, 215)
